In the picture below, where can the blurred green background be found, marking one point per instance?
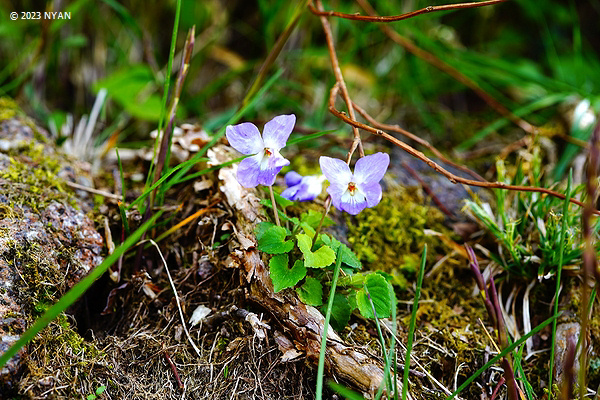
(532, 54)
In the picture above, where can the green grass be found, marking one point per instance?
(563, 233)
(412, 325)
(322, 353)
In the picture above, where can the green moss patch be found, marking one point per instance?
(391, 235)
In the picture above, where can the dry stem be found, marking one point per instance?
(340, 81)
(428, 9)
(415, 153)
(453, 72)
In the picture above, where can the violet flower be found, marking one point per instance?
(355, 192)
(266, 162)
(302, 188)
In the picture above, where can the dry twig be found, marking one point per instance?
(408, 45)
(451, 177)
(342, 84)
(426, 10)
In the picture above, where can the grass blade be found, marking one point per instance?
(321, 367)
(312, 136)
(500, 355)
(411, 327)
(344, 391)
(561, 248)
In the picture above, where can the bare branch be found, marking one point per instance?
(408, 45)
(426, 10)
(415, 153)
(421, 141)
(342, 84)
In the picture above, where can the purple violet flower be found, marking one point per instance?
(266, 162)
(302, 188)
(355, 192)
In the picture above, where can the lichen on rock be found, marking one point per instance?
(47, 242)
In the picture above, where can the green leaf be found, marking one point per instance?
(311, 292)
(282, 276)
(378, 289)
(273, 241)
(134, 88)
(313, 218)
(340, 312)
(281, 201)
(100, 390)
(261, 228)
(348, 256)
(318, 259)
(344, 391)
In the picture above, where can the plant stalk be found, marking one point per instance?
(274, 205)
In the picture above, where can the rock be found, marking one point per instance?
(47, 243)
(565, 333)
(451, 196)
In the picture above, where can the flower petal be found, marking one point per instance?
(278, 130)
(314, 186)
(292, 178)
(308, 189)
(372, 192)
(248, 170)
(268, 172)
(245, 138)
(353, 204)
(336, 192)
(336, 171)
(290, 193)
(370, 169)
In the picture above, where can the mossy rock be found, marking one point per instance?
(47, 242)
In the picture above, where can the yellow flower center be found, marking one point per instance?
(268, 152)
(352, 188)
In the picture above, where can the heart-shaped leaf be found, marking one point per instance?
(282, 276)
(340, 311)
(272, 240)
(321, 258)
(313, 219)
(378, 289)
(311, 292)
(348, 256)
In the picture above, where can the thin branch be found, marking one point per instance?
(415, 153)
(95, 191)
(429, 191)
(421, 141)
(426, 10)
(342, 84)
(448, 69)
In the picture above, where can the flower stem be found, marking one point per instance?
(327, 207)
(274, 206)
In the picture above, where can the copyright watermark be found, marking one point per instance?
(35, 15)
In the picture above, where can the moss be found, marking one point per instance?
(30, 166)
(78, 357)
(390, 236)
(42, 283)
(8, 108)
(305, 166)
